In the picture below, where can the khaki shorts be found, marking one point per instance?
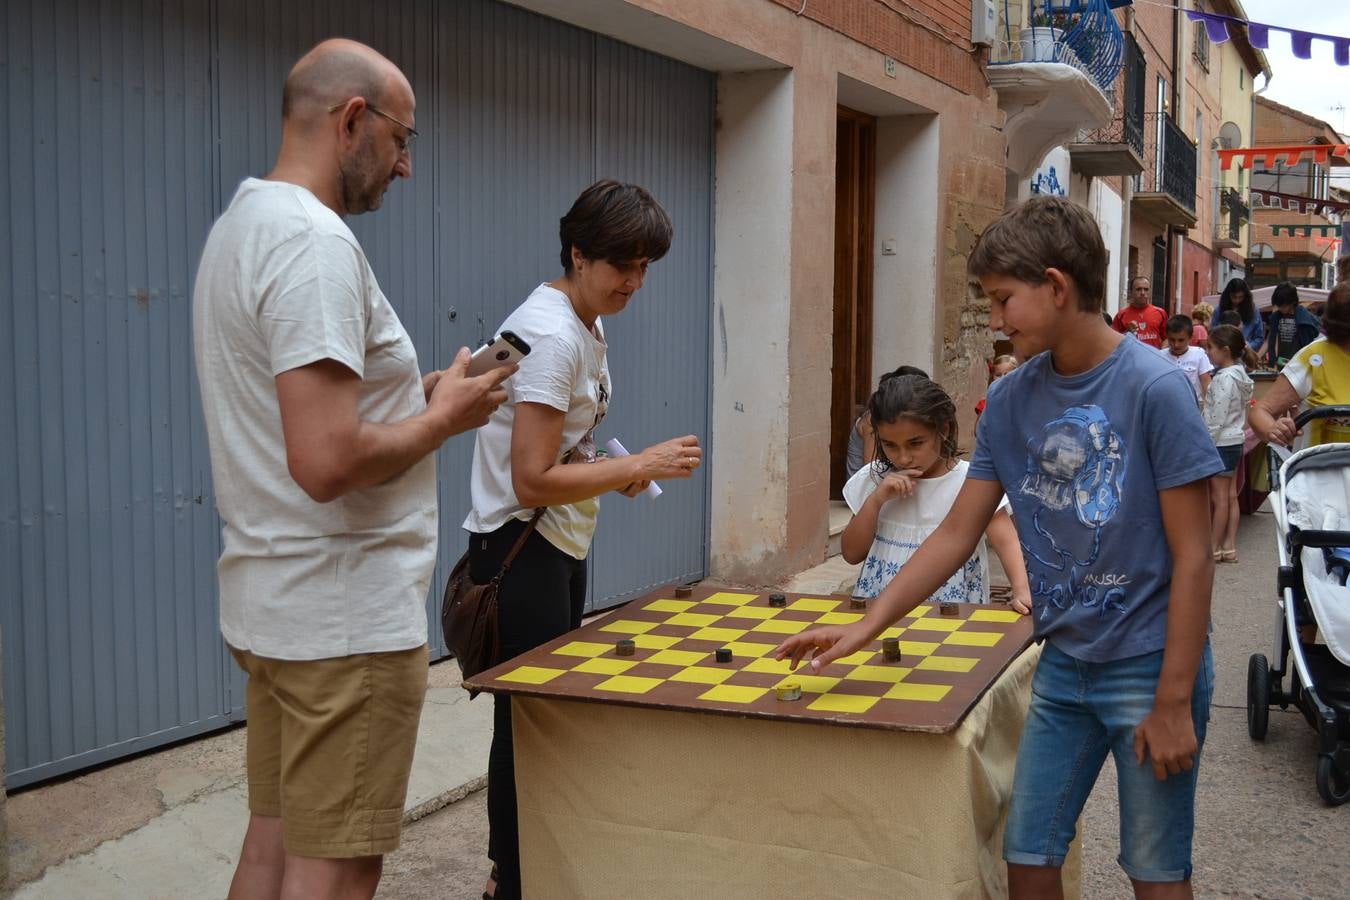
(330, 747)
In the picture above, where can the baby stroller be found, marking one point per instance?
(1310, 496)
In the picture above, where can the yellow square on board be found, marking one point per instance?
(605, 666)
(669, 605)
(811, 684)
(752, 612)
(932, 624)
(843, 703)
(893, 631)
(717, 634)
(745, 648)
(974, 638)
(583, 648)
(856, 659)
(769, 666)
(654, 641)
(697, 620)
(532, 675)
(927, 693)
(919, 611)
(676, 657)
(628, 626)
(839, 618)
(703, 675)
(629, 684)
(995, 615)
(781, 626)
(810, 604)
(733, 693)
(948, 663)
(916, 648)
(728, 598)
(882, 674)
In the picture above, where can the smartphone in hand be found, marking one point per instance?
(504, 349)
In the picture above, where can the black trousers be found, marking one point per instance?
(540, 599)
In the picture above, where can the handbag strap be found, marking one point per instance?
(519, 544)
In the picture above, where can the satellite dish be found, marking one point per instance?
(1263, 251)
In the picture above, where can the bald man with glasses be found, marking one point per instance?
(322, 430)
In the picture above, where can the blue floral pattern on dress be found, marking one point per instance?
(966, 586)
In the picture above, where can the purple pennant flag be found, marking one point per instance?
(1342, 52)
(1216, 27)
(1301, 41)
(1259, 35)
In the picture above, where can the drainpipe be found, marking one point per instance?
(1173, 291)
(1126, 194)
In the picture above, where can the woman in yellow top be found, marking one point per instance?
(1318, 375)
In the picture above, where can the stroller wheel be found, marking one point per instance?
(1332, 783)
(1258, 696)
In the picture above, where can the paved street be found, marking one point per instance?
(1262, 829)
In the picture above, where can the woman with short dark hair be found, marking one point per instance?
(537, 451)
(1237, 296)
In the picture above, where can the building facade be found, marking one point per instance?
(1305, 255)
(828, 166)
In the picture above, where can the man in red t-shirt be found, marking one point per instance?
(1141, 318)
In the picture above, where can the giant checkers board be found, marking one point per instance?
(946, 662)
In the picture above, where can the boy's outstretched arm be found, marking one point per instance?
(1167, 735)
(1002, 534)
(945, 551)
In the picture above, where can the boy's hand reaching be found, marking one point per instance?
(826, 644)
(1166, 738)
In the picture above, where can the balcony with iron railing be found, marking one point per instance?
(1054, 65)
(1165, 189)
(1233, 216)
(1117, 148)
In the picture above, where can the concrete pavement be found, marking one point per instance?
(169, 824)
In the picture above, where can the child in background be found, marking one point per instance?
(1106, 462)
(905, 493)
(861, 447)
(1230, 393)
(1201, 313)
(1190, 360)
(1001, 366)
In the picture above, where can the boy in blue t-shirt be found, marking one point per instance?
(1104, 457)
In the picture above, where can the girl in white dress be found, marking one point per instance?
(905, 493)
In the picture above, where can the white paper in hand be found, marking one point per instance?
(617, 449)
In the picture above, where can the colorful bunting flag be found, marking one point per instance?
(1270, 156)
(1219, 28)
(1307, 230)
(1296, 203)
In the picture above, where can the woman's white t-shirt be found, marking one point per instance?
(565, 369)
(903, 523)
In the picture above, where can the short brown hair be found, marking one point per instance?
(615, 222)
(1045, 233)
(1336, 315)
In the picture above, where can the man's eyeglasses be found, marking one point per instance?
(404, 143)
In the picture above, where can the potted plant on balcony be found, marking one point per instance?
(1042, 41)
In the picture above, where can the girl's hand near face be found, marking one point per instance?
(898, 483)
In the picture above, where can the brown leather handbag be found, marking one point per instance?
(469, 612)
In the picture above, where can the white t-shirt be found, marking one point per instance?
(904, 523)
(283, 283)
(1194, 363)
(565, 369)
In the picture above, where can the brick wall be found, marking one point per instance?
(1275, 126)
(932, 36)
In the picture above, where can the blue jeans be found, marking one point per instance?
(1079, 712)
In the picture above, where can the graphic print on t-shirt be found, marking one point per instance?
(1077, 472)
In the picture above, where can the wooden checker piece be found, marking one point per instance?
(946, 663)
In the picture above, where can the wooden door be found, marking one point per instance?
(855, 182)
